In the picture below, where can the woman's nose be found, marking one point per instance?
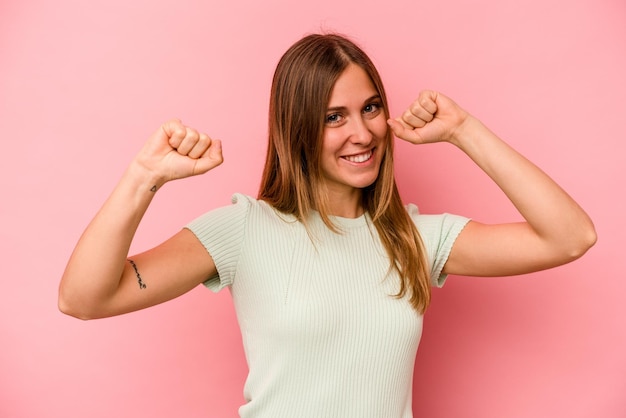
(360, 132)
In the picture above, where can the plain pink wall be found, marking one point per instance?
(82, 84)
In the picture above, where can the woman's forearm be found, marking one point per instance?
(95, 267)
(554, 216)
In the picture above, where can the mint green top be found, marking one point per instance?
(322, 333)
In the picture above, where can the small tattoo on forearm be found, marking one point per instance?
(153, 189)
(142, 285)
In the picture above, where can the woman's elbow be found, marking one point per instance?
(73, 307)
(582, 242)
(70, 310)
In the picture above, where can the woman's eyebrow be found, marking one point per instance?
(343, 108)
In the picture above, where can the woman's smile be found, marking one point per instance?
(360, 158)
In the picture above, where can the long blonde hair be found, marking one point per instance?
(292, 180)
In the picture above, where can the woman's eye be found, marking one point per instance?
(371, 108)
(333, 118)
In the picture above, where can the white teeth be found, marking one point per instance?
(359, 158)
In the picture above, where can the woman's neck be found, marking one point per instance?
(346, 205)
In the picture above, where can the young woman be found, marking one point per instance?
(329, 271)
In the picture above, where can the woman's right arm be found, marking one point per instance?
(100, 279)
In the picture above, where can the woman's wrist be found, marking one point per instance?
(144, 178)
(467, 133)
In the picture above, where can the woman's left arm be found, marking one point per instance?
(557, 230)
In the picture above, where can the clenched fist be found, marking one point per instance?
(433, 117)
(177, 151)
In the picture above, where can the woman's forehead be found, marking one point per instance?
(354, 85)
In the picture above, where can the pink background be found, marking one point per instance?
(83, 83)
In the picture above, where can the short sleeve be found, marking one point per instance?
(438, 233)
(222, 232)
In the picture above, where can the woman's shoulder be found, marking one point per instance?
(435, 222)
(247, 207)
(252, 204)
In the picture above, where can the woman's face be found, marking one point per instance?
(354, 133)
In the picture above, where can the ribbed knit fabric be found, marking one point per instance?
(322, 333)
